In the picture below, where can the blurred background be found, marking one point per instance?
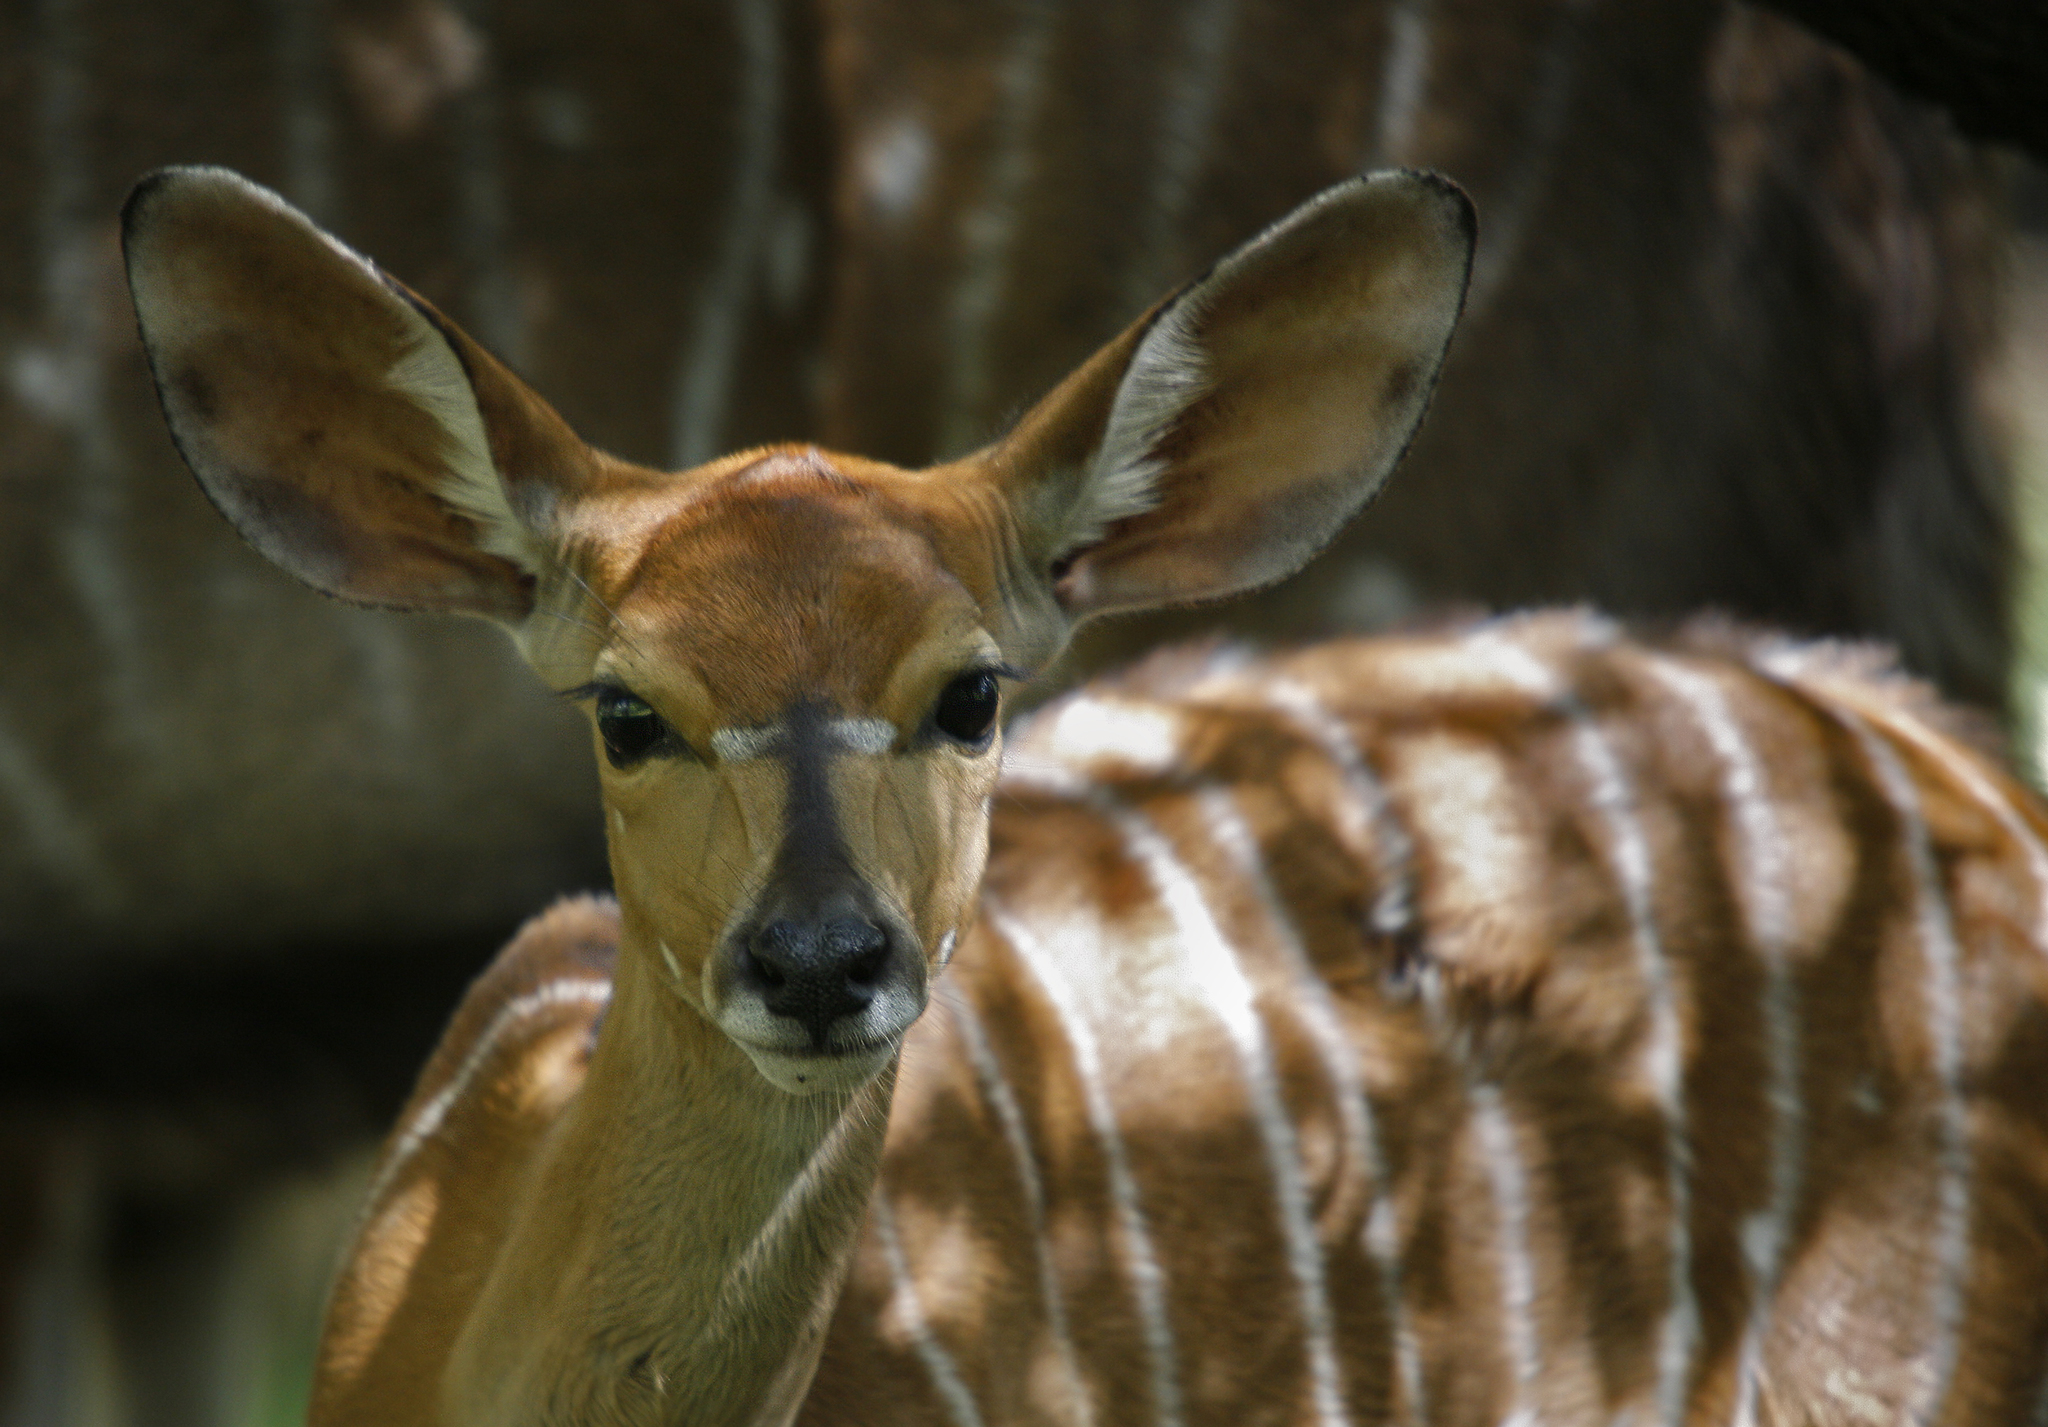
(1750, 329)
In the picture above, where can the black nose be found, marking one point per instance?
(814, 972)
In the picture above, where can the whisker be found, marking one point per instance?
(610, 613)
(572, 619)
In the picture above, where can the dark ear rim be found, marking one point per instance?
(517, 576)
(1465, 214)
(147, 190)
(1039, 471)
(1464, 220)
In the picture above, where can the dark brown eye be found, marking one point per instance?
(967, 707)
(630, 729)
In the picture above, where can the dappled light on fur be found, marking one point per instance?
(1628, 1129)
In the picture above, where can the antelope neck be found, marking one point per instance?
(682, 1207)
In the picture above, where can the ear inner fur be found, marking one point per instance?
(329, 413)
(1221, 440)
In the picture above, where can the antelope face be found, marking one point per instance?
(794, 706)
(790, 659)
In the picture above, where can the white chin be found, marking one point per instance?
(818, 1074)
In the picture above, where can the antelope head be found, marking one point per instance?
(792, 658)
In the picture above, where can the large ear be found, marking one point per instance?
(349, 431)
(1230, 433)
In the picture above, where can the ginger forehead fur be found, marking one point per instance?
(805, 583)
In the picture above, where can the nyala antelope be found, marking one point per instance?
(1524, 1024)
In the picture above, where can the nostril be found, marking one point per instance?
(773, 952)
(762, 972)
(865, 971)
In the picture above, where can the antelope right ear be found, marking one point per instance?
(1231, 432)
(349, 431)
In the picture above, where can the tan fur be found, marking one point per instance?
(1376, 1030)
(1428, 1007)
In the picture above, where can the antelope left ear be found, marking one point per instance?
(1231, 432)
(350, 432)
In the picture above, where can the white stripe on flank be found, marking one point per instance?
(1215, 973)
(1404, 83)
(1614, 800)
(1943, 972)
(1965, 771)
(996, 1090)
(1509, 1179)
(570, 990)
(1507, 1182)
(1761, 855)
(988, 228)
(1193, 94)
(1374, 825)
(1148, 1281)
(1318, 1007)
(945, 1373)
(704, 375)
(1318, 1010)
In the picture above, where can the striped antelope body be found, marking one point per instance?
(1523, 1026)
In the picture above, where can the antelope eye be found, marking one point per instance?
(967, 707)
(630, 729)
